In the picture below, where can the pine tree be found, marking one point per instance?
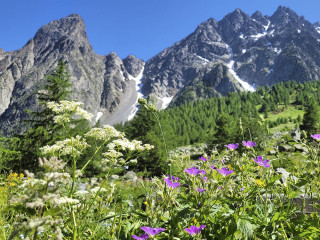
(311, 119)
(43, 130)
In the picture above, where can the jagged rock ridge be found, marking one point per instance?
(100, 82)
(260, 49)
(236, 53)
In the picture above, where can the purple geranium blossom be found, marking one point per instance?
(200, 190)
(242, 189)
(172, 178)
(261, 162)
(193, 230)
(141, 237)
(224, 171)
(194, 171)
(170, 183)
(248, 144)
(204, 159)
(205, 179)
(152, 231)
(316, 137)
(232, 146)
(213, 167)
(219, 187)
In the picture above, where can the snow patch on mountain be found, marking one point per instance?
(138, 80)
(165, 102)
(246, 86)
(99, 115)
(203, 59)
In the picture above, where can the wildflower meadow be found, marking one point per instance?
(237, 193)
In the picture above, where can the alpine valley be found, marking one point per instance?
(238, 53)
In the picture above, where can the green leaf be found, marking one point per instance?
(52, 212)
(245, 227)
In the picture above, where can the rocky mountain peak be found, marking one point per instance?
(257, 15)
(133, 65)
(71, 26)
(284, 15)
(237, 23)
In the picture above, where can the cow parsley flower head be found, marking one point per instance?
(106, 133)
(64, 109)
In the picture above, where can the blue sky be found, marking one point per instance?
(139, 27)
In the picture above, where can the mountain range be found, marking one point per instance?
(238, 53)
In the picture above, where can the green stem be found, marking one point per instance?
(97, 150)
(164, 141)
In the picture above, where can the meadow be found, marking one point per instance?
(236, 193)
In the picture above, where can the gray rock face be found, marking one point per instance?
(100, 82)
(218, 57)
(265, 50)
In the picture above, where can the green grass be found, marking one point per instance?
(281, 127)
(289, 112)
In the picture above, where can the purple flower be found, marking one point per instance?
(170, 183)
(141, 237)
(219, 187)
(248, 144)
(204, 159)
(232, 146)
(194, 171)
(242, 189)
(193, 230)
(261, 162)
(172, 177)
(201, 190)
(224, 171)
(316, 137)
(213, 167)
(152, 231)
(205, 179)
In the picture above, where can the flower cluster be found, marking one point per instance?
(106, 133)
(172, 181)
(65, 109)
(66, 147)
(125, 144)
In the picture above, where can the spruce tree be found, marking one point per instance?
(311, 119)
(42, 129)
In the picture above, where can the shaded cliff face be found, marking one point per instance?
(100, 82)
(259, 49)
